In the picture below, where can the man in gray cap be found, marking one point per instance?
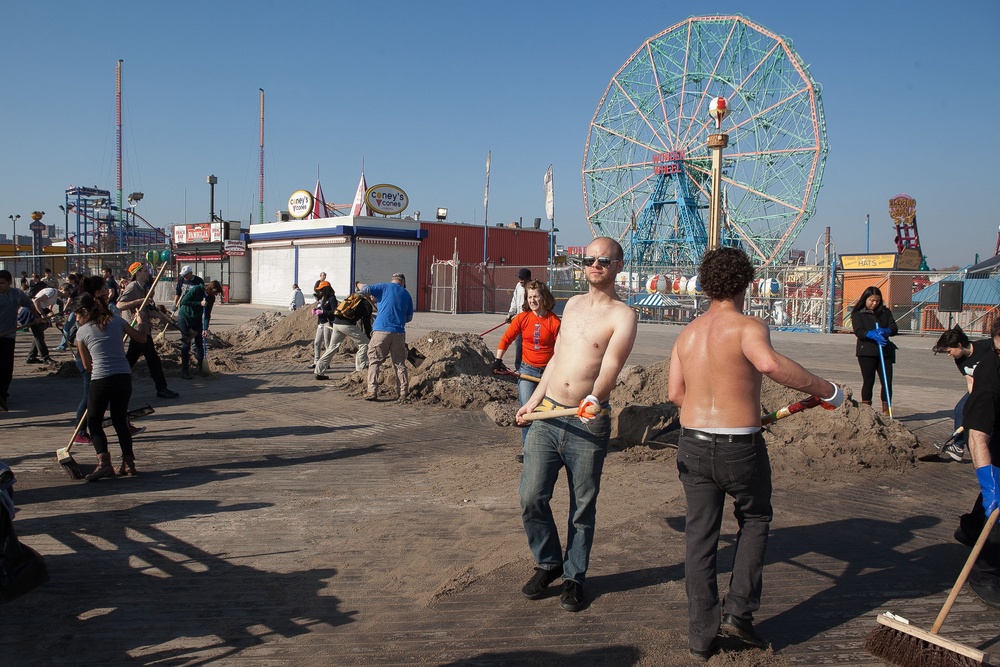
(395, 309)
(185, 281)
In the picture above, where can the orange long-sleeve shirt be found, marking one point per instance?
(538, 336)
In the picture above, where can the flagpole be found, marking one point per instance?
(486, 222)
(550, 213)
(486, 206)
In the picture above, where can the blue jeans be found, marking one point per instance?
(525, 388)
(709, 471)
(957, 416)
(563, 442)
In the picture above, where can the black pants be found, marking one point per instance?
(6, 365)
(114, 390)
(191, 330)
(147, 350)
(709, 471)
(38, 346)
(869, 367)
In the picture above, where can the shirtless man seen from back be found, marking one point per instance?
(594, 341)
(716, 369)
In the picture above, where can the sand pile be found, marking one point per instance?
(849, 438)
(453, 369)
(814, 441)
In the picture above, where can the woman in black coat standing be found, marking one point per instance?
(873, 324)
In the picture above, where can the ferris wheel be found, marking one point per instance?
(647, 166)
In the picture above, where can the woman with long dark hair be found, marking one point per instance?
(873, 324)
(100, 342)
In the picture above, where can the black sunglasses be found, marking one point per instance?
(588, 260)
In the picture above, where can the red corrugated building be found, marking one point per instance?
(507, 250)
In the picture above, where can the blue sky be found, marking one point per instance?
(422, 90)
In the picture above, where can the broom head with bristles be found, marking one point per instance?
(896, 641)
(68, 463)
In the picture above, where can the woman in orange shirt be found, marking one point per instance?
(538, 327)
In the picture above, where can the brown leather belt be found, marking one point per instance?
(734, 438)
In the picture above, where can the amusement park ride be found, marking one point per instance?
(648, 164)
(103, 224)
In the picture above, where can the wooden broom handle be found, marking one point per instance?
(991, 521)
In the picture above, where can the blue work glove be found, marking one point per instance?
(877, 336)
(885, 331)
(989, 484)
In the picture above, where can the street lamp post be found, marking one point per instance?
(718, 110)
(13, 220)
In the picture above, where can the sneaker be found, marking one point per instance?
(166, 393)
(185, 373)
(82, 439)
(61, 348)
(742, 629)
(312, 365)
(369, 397)
(48, 360)
(32, 360)
(540, 581)
(519, 458)
(136, 430)
(322, 377)
(955, 452)
(571, 598)
(404, 399)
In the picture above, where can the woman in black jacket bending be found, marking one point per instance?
(873, 324)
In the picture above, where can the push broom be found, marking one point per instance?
(900, 643)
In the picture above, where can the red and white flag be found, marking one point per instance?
(319, 203)
(360, 206)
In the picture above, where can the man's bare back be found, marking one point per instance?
(716, 368)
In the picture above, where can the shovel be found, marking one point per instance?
(522, 376)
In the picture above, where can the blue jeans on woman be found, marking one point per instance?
(563, 442)
(525, 388)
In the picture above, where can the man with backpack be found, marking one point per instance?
(351, 319)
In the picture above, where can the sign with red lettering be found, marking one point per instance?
(203, 232)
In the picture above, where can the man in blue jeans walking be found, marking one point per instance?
(716, 369)
(595, 339)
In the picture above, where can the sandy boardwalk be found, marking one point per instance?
(281, 520)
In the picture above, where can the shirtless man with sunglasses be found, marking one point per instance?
(594, 341)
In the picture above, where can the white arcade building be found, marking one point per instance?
(347, 249)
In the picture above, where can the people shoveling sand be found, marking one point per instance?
(454, 371)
